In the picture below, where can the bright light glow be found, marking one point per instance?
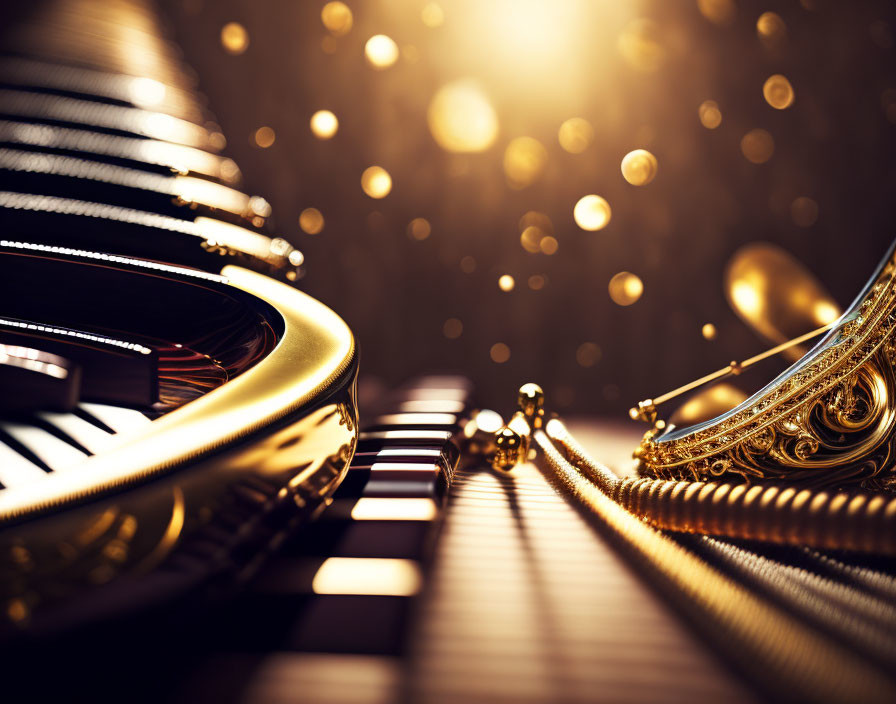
(708, 331)
(506, 283)
(234, 38)
(524, 161)
(376, 182)
(311, 221)
(778, 92)
(337, 18)
(575, 135)
(146, 92)
(592, 213)
(381, 51)
(198, 190)
(825, 312)
(324, 124)
(639, 167)
(367, 575)
(461, 117)
(746, 298)
(375, 509)
(625, 288)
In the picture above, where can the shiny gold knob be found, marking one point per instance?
(508, 449)
(530, 401)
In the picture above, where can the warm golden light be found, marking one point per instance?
(376, 509)
(745, 297)
(778, 92)
(710, 115)
(337, 18)
(234, 38)
(506, 283)
(575, 135)
(804, 211)
(376, 182)
(825, 312)
(146, 92)
(461, 117)
(311, 221)
(264, 137)
(549, 245)
(757, 146)
(524, 161)
(592, 213)
(588, 354)
(530, 239)
(499, 353)
(639, 167)
(719, 12)
(432, 15)
(367, 575)
(771, 28)
(641, 47)
(381, 51)
(453, 328)
(708, 331)
(625, 288)
(419, 229)
(324, 124)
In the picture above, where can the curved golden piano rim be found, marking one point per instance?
(316, 349)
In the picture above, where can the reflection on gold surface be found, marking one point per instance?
(757, 146)
(311, 220)
(367, 575)
(778, 92)
(640, 45)
(499, 353)
(709, 114)
(376, 509)
(461, 117)
(639, 167)
(234, 38)
(419, 229)
(575, 135)
(337, 18)
(524, 161)
(592, 213)
(376, 182)
(506, 282)
(707, 404)
(625, 288)
(264, 137)
(775, 294)
(381, 51)
(324, 124)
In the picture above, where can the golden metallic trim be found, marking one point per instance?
(316, 349)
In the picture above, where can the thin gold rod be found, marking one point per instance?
(647, 408)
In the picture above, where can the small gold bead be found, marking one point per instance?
(530, 401)
(508, 449)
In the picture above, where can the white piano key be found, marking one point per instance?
(15, 470)
(86, 434)
(57, 454)
(121, 420)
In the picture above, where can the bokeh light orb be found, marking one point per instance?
(771, 28)
(381, 51)
(337, 18)
(506, 283)
(708, 331)
(524, 161)
(575, 135)
(376, 182)
(419, 229)
(709, 114)
(264, 137)
(757, 146)
(721, 12)
(804, 211)
(592, 213)
(778, 92)
(432, 15)
(311, 221)
(640, 44)
(625, 288)
(588, 354)
(639, 167)
(324, 124)
(234, 38)
(499, 353)
(461, 117)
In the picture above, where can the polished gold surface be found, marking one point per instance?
(827, 420)
(315, 350)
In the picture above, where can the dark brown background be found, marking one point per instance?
(835, 145)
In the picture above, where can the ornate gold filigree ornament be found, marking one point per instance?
(828, 420)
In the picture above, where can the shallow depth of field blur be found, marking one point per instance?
(550, 191)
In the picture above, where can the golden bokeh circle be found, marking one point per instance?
(757, 146)
(381, 51)
(419, 229)
(708, 331)
(324, 124)
(337, 18)
(432, 15)
(592, 213)
(461, 117)
(575, 135)
(499, 353)
(625, 288)
(639, 167)
(524, 161)
(588, 354)
(264, 137)
(709, 114)
(234, 38)
(771, 28)
(376, 182)
(506, 282)
(311, 221)
(778, 92)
